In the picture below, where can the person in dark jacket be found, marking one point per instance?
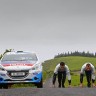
(89, 71)
(61, 70)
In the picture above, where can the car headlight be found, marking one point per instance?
(35, 67)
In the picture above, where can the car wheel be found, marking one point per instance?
(40, 85)
(0, 86)
(5, 86)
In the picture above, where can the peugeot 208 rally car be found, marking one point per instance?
(20, 67)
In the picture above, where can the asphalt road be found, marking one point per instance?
(48, 91)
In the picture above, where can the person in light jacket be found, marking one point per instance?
(62, 71)
(89, 71)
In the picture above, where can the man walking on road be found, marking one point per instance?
(89, 71)
(61, 70)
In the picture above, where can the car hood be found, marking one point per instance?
(14, 65)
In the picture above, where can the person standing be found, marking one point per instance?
(89, 71)
(61, 70)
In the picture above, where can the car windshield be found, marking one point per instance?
(19, 57)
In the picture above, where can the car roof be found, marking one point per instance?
(20, 52)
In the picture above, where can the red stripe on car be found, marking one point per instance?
(6, 65)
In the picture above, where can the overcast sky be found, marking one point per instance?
(48, 27)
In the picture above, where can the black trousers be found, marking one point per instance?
(61, 78)
(88, 77)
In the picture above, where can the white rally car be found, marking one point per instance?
(20, 67)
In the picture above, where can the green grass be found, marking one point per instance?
(74, 63)
(76, 80)
(22, 85)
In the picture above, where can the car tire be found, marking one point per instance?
(40, 85)
(0, 86)
(5, 86)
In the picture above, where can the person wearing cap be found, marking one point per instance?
(89, 71)
(61, 70)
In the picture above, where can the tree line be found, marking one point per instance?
(76, 53)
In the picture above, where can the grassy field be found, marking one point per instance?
(74, 63)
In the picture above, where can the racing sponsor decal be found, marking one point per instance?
(6, 65)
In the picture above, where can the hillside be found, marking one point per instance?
(74, 63)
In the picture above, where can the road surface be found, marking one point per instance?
(48, 91)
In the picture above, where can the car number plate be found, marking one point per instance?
(17, 74)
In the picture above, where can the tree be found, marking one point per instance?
(8, 50)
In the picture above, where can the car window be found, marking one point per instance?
(19, 57)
